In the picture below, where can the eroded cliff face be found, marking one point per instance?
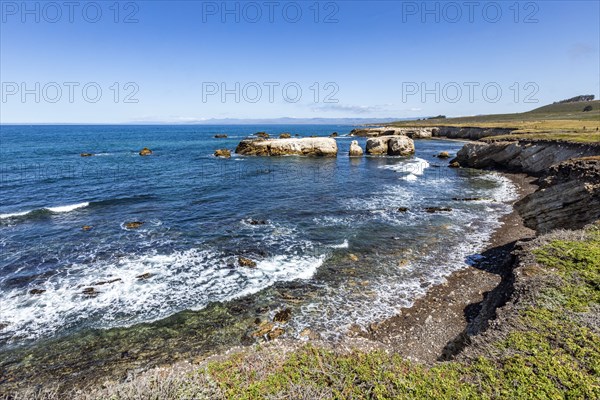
(568, 197)
(471, 133)
(417, 132)
(531, 157)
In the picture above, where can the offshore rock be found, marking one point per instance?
(321, 147)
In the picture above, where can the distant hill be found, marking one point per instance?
(565, 119)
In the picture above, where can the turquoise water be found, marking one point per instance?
(197, 213)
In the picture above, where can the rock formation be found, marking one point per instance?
(355, 149)
(325, 147)
(224, 153)
(568, 197)
(390, 145)
(532, 157)
(413, 133)
(145, 152)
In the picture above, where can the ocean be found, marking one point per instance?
(340, 242)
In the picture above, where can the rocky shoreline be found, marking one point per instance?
(442, 324)
(429, 330)
(567, 175)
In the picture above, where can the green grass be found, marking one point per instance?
(552, 354)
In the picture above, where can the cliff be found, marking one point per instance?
(531, 157)
(568, 197)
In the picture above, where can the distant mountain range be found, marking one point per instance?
(282, 121)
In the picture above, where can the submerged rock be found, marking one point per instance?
(257, 222)
(86, 227)
(325, 147)
(334, 134)
(468, 198)
(285, 135)
(309, 334)
(221, 136)
(224, 153)
(100, 283)
(86, 154)
(437, 209)
(37, 291)
(443, 154)
(454, 165)
(90, 292)
(283, 315)
(402, 209)
(275, 333)
(133, 225)
(355, 149)
(144, 276)
(263, 329)
(246, 262)
(145, 152)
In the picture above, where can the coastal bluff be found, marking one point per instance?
(317, 147)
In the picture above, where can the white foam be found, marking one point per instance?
(392, 287)
(67, 208)
(181, 280)
(412, 167)
(343, 245)
(57, 209)
(12, 215)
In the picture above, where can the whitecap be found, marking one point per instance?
(67, 208)
(343, 245)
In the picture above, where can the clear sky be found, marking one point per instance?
(348, 59)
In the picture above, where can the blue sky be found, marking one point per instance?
(367, 59)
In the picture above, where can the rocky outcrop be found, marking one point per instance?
(322, 147)
(568, 197)
(145, 152)
(221, 136)
(471, 133)
(390, 145)
(355, 149)
(133, 225)
(285, 135)
(413, 133)
(224, 153)
(418, 132)
(531, 157)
